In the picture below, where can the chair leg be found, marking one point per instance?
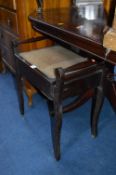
(97, 103)
(51, 108)
(20, 94)
(56, 128)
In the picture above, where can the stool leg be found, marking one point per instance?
(56, 128)
(20, 94)
(97, 103)
(50, 108)
(58, 111)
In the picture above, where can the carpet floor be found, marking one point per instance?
(26, 146)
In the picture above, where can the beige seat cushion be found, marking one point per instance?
(49, 58)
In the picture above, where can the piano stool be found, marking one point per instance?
(59, 73)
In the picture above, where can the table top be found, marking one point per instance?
(81, 27)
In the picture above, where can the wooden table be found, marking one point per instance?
(80, 28)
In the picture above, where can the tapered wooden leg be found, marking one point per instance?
(30, 97)
(56, 125)
(30, 91)
(97, 103)
(111, 93)
(58, 111)
(4, 68)
(51, 108)
(20, 94)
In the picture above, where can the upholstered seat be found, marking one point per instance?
(58, 74)
(49, 58)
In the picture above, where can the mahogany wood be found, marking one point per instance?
(73, 31)
(9, 4)
(111, 87)
(1, 67)
(14, 24)
(69, 82)
(66, 31)
(76, 31)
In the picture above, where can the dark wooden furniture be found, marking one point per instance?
(109, 42)
(1, 67)
(14, 24)
(76, 30)
(11, 27)
(72, 80)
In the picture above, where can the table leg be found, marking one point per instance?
(111, 93)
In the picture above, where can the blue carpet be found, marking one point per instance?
(26, 147)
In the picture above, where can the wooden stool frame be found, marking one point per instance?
(76, 80)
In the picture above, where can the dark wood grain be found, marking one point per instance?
(13, 21)
(74, 28)
(77, 28)
(74, 81)
(9, 4)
